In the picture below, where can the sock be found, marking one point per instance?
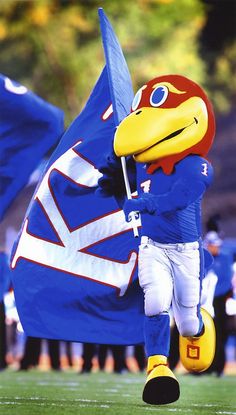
(157, 334)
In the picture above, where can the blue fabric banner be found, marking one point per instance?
(29, 127)
(74, 267)
(4, 274)
(118, 73)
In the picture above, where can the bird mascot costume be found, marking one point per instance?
(166, 138)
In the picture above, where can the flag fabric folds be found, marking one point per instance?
(5, 275)
(74, 266)
(29, 127)
(120, 83)
(121, 89)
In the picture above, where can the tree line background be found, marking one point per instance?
(54, 48)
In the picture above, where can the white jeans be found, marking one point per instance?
(169, 274)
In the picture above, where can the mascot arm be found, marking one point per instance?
(195, 176)
(179, 197)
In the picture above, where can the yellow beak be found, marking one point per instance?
(152, 133)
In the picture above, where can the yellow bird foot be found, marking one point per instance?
(161, 385)
(197, 353)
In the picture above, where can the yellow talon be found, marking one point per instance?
(154, 361)
(197, 353)
(161, 385)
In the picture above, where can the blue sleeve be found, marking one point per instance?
(191, 182)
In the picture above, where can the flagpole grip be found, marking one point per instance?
(134, 215)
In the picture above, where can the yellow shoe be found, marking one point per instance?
(161, 385)
(197, 353)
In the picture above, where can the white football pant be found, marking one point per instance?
(169, 274)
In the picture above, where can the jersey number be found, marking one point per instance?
(146, 186)
(205, 169)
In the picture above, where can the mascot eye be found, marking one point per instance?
(137, 99)
(159, 96)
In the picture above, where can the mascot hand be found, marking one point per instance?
(142, 204)
(112, 181)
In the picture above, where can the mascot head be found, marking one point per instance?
(171, 117)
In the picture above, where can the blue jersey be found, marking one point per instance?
(222, 267)
(176, 216)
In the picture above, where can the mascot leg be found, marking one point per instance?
(197, 352)
(196, 327)
(161, 385)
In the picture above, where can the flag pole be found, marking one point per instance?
(134, 215)
(120, 87)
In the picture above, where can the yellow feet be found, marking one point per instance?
(197, 353)
(161, 386)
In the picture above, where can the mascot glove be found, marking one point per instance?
(109, 164)
(111, 181)
(142, 204)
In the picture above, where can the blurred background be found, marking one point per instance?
(54, 48)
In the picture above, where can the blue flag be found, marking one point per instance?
(75, 263)
(118, 73)
(4, 275)
(29, 127)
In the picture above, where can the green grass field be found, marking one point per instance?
(66, 393)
